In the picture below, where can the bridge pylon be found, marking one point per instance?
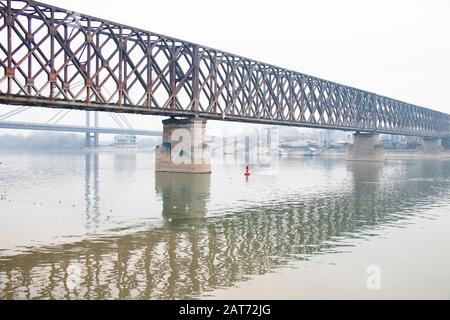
(92, 138)
(365, 147)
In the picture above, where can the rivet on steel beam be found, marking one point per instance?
(9, 21)
(30, 37)
(53, 30)
(66, 86)
(30, 82)
(10, 72)
(90, 38)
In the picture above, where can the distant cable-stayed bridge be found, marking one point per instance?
(92, 130)
(80, 129)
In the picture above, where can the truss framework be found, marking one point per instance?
(57, 58)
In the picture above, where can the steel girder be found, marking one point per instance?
(57, 58)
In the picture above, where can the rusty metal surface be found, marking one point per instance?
(57, 58)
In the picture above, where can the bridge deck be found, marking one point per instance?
(56, 58)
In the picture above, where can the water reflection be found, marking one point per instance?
(365, 172)
(91, 195)
(125, 161)
(366, 183)
(191, 254)
(184, 196)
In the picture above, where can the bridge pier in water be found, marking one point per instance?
(183, 149)
(432, 145)
(446, 143)
(366, 147)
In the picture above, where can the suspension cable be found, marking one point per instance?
(13, 113)
(55, 116)
(116, 120)
(62, 116)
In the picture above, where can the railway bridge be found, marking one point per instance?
(52, 57)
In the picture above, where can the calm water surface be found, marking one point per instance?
(95, 226)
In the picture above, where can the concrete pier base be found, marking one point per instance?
(432, 146)
(446, 143)
(183, 149)
(365, 147)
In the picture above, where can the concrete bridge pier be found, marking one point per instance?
(365, 147)
(432, 145)
(183, 149)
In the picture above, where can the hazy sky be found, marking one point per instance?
(400, 49)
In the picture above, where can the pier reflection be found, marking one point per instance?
(184, 197)
(91, 190)
(190, 254)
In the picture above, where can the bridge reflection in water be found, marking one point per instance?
(191, 254)
(184, 197)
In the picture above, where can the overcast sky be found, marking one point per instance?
(400, 49)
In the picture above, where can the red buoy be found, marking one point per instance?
(247, 171)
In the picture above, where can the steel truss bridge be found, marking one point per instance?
(53, 57)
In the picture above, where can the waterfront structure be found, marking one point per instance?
(55, 58)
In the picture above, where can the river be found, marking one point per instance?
(105, 226)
